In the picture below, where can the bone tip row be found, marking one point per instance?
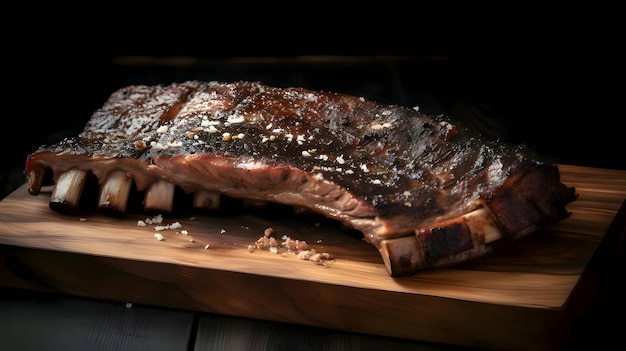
(115, 191)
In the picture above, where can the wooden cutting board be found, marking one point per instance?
(522, 297)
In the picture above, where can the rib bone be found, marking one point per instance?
(442, 244)
(36, 180)
(159, 196)
(114, 193)
(206, 199)
(68, 189)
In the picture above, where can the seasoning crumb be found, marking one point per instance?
(154, 220)
(289, 246)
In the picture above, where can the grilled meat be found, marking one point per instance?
(424, 191)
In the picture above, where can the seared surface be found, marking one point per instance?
(405, 164)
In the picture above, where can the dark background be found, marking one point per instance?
(548, 78)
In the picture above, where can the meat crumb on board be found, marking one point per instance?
(291, 246)
(267, 241)
(158, 219)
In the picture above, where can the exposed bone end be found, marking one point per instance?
(114, 193)
(35, 180)
(402, 256)
(159, 196)
(68, 190)
(441, 244)
(206, 200)
(483, 227)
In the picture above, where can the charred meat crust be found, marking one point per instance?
(388, 171)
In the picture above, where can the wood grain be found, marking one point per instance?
(519, 297)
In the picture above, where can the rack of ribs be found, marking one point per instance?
(424, 191)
